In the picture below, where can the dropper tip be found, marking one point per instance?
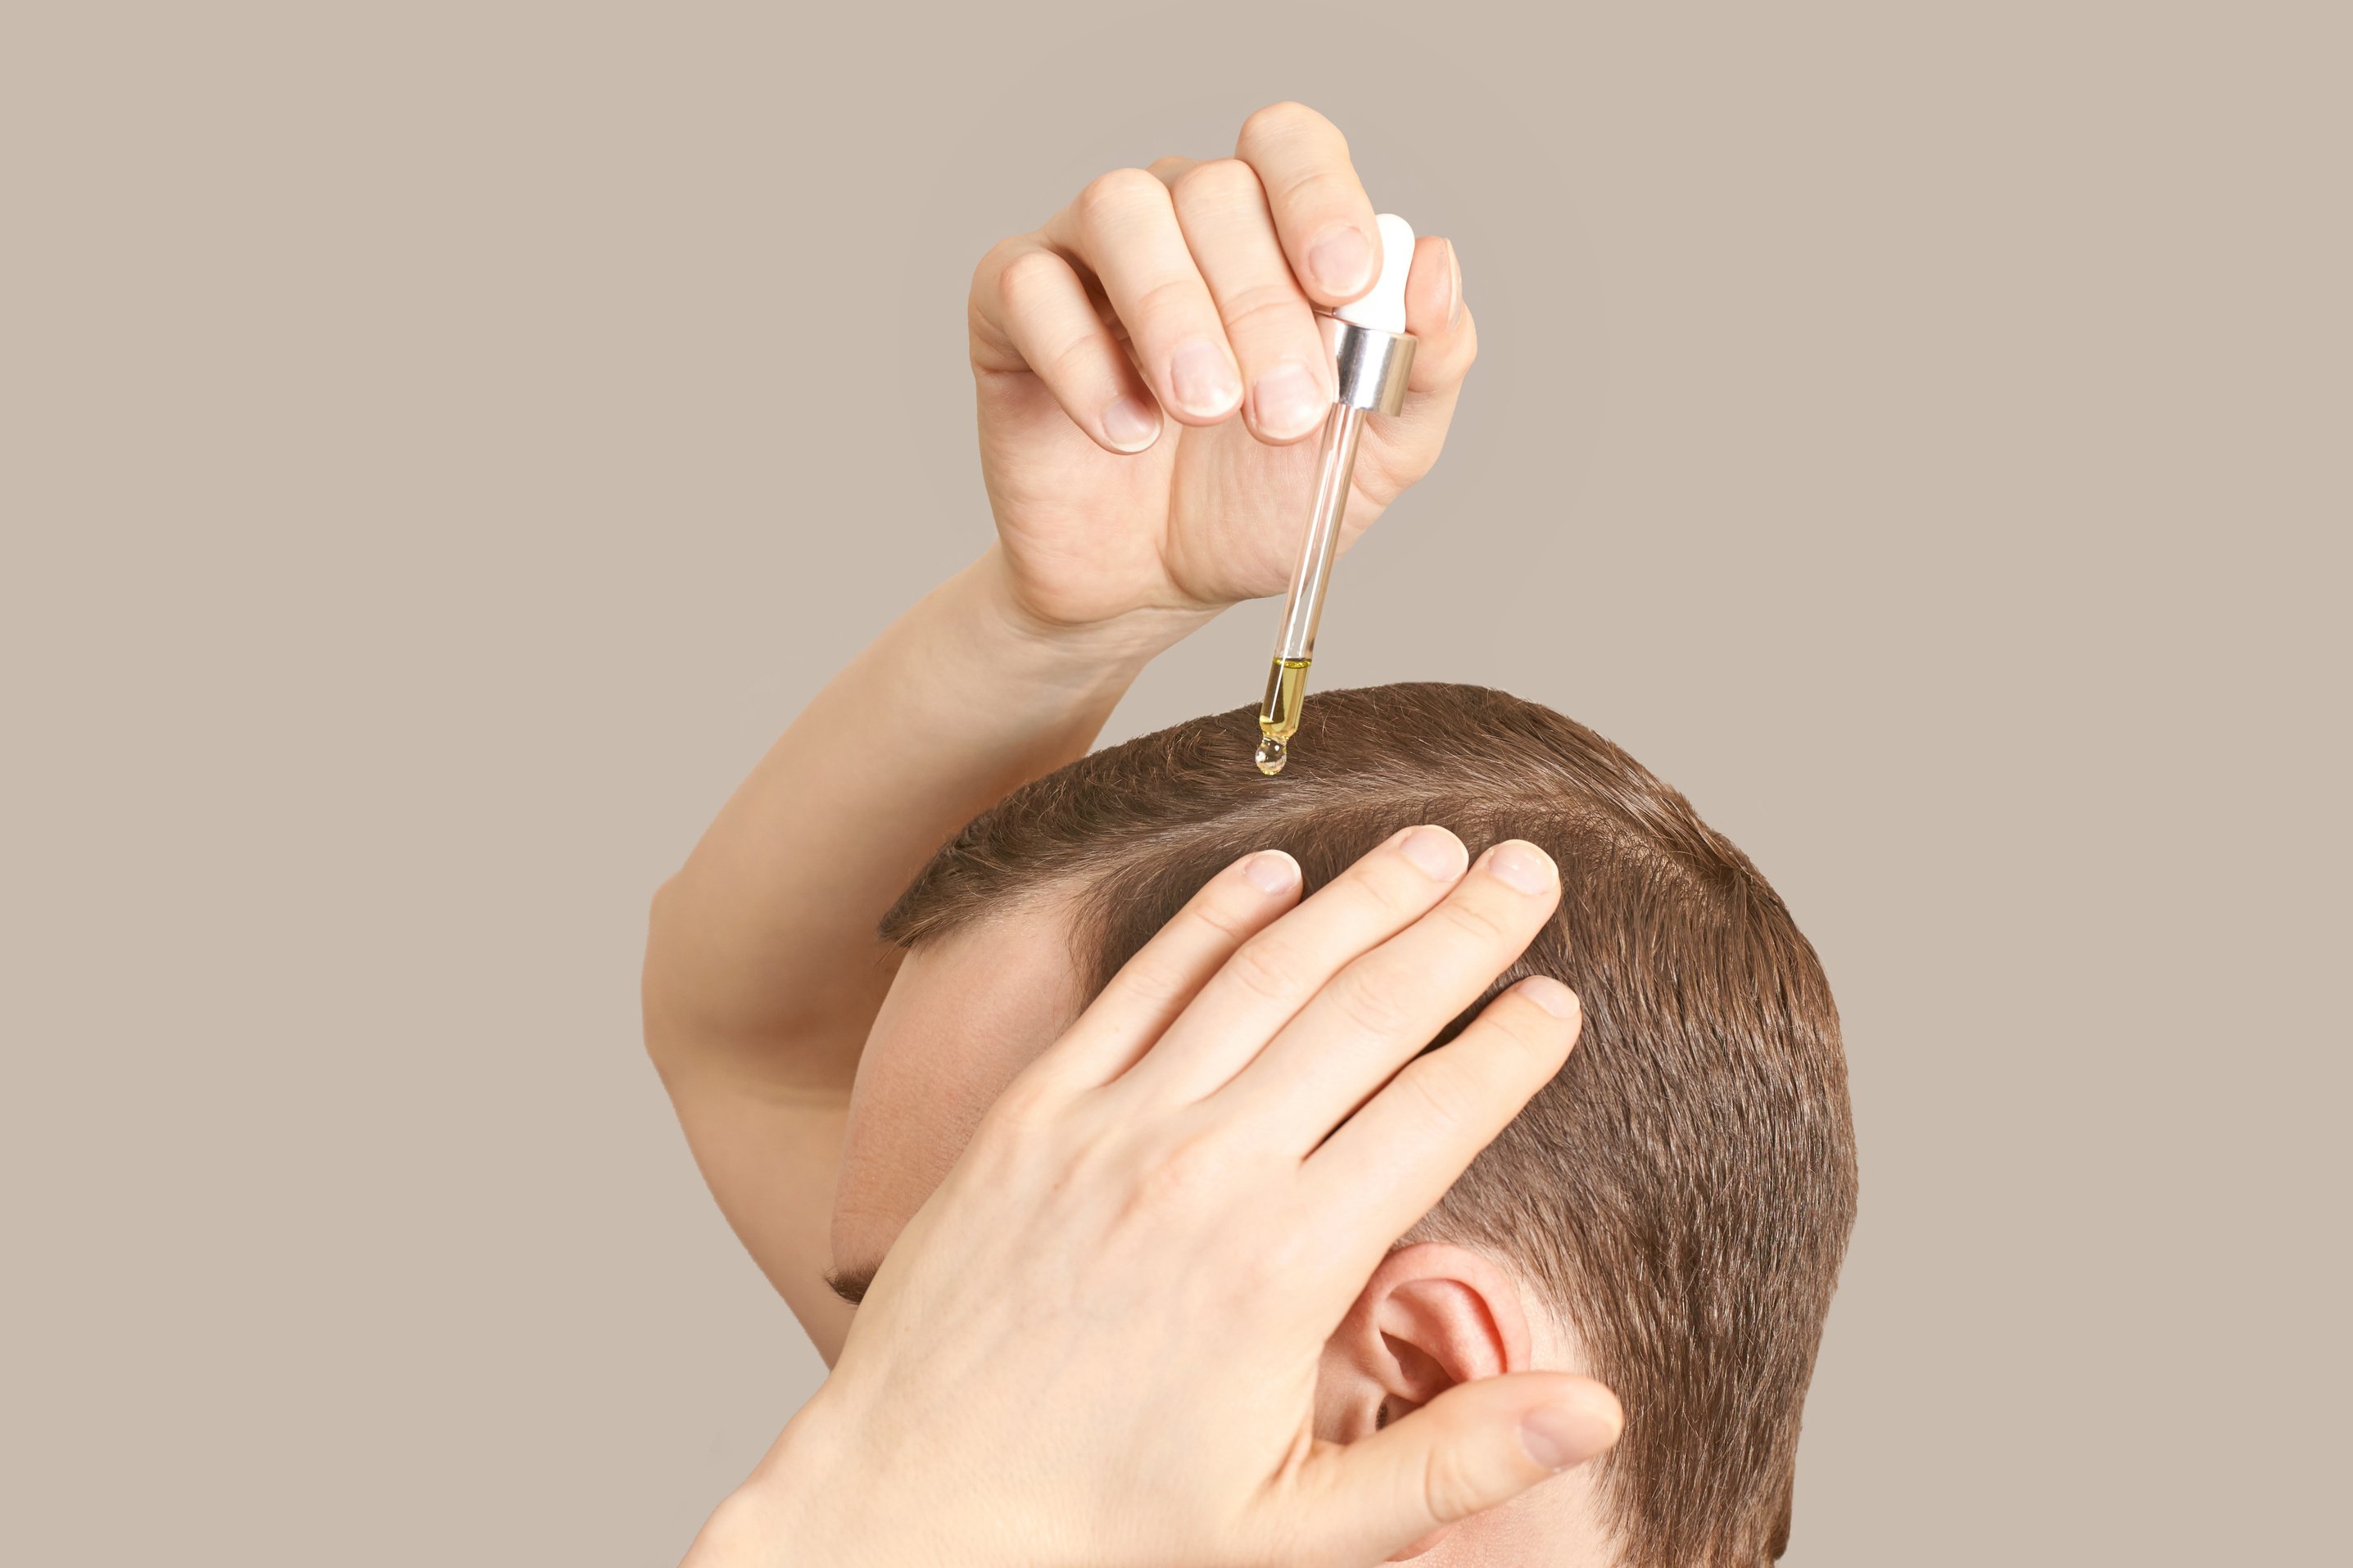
(1271, 756)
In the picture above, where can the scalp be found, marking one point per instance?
(1682, 1192)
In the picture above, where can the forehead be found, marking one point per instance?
(966, 1014)
(1002, 974)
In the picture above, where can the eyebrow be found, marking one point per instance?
(851, 1286)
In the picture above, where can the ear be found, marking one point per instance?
(1433, 1315)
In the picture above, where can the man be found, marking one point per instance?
(1668, 1215)
(1101, 1342)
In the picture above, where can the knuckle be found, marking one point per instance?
(1278, 120)
(1225, 915)
(1024, 266)
(1217, 180)
(1066, 364)
(988, 272)
(1479, 922)
(1151, 981)
(1266, 969)
(1448, 1489)
(1394, 890)
(1331, 189)
(1370, 1004)
(1246, 308)
(1116, 192)
(999, 1144)
(1167, 294)
(1437, 1098)
(1182, 1172)
(998, 254)
(1024, 1104)
(1284, 1253)
(1023, 277)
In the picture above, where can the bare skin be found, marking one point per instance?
(1139, 363)
(762, 977)
(1100, 1340)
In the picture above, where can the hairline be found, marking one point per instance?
(1140, 818)
(1068, 894)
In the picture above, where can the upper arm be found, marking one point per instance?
(764, 1109)
(771, 1154)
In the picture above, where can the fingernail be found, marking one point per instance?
(1286, 401)
(1271, 871)
(1131, 424)
(1203, 378)
(1549, 995)
(1522, 866)
(1454, 272)
(1559, 1435)
(1341, 259)
(1435, 853)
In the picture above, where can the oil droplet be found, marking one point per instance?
(1278, 716)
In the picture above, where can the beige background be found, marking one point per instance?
(444, 442)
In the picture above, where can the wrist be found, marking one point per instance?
(1119, 645)
(817, 1496)
(749, 1529)
(780, 1514)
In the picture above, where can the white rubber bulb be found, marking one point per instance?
(1383, 309)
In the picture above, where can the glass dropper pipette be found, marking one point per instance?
(1371, 354)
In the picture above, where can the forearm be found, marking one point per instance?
(766, 939)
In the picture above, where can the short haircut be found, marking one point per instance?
(1682, 1190)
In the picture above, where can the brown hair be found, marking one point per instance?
(1682, 1190)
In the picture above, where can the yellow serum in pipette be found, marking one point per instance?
(1278, 716)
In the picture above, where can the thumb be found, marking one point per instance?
(1475, 1446)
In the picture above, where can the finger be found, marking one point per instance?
(1031, 312)
(1388, 1165)
(1436, 316)
(1124, 228)
(1221, 208)
(1152, 988)
(1274, 974)
(1397, 452)
(1321, 211)
(1476, 1445)
(1382, 1010)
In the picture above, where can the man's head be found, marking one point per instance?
(1678, 1197)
